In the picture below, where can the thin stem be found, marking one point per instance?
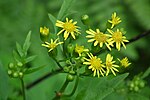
(74, 89)
(61, 90)
(23, 89)
(57, 63)
(139, 37)
(64, 86)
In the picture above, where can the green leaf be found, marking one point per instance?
(98, 88)
(64, 8)
(19, 49)
(27, 43)
(4, 83)
(136, 96)
(53, 20)
(29, 59)
(146, 73)
(16, 56)
(32, 70)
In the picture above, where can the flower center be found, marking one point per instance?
(109, 64)
(100, 37)
(69, 27)
(52, 45)
(115, 21)
(117, 36)
(79, 49)
(96, 63)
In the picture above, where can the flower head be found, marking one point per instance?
(99, 38)
(80, 49)
(52, 45)
(44, 31)
(117, 37)
(110, 65)
(124, 62)
(114, 20)
(68, 27)
(95, 64)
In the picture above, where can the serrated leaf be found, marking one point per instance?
(64, 8)
(29, 59)
(32, 70)
(146, 73)
(99, 88)
(19, 49)
(27, 43)
(53, 20)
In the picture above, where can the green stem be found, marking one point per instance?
(74, 89)
(64, 86)
(61, 90)
(57, 62)
(23, 89)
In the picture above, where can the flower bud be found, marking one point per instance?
(136, 88)
(70, 48)
(132, 85)
(85, 19)
(9, 72)
(142, 84)
(21, 74)
(19, 64)
(72, 72)
(44, 33)
(66, 69)
(15, 74)
(70, 78)
(11, 65)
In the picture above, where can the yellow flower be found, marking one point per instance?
(99, 38)
(80, 49)
(110, 65)
(44, 31)
(124, 62)
(68, 27)
(95, 64)
(115, 20)
(117, 37)
(52, 45)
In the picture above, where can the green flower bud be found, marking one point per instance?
(70, 48)
(15, 74)
(72, 72)
(19, 64)
(66, 69)
(70, 78)
(68, 62)
(136, 82)
(21, 74)
(9, 72)
(11, 65)
(136, 88)
(141, 84)
(131, 84)
(44, 33)
(85, 19)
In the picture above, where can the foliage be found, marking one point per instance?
(22, 16)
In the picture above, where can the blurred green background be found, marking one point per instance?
(17, 17)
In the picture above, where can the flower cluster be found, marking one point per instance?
(99, 37)
(78, 55)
